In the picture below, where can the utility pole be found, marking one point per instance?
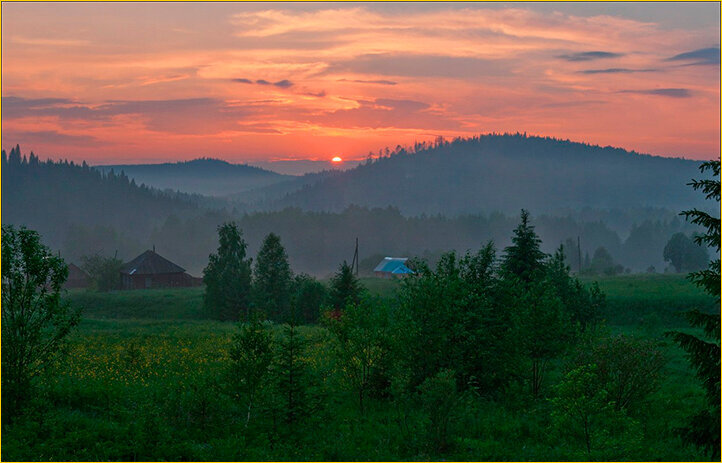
(355, 258)
(579, 253)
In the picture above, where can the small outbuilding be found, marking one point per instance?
(77, 278)
(150, 270)
(393, 267)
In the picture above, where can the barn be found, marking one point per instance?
(77, 278)
(151, 270)
(393, 267)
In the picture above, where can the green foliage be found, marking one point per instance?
(704, 429)
(542, 327)
(439, 399)
(272, 279)
(584, 305)
(104, 272)
(708, 279)
(292, 376)
(345, 288)
(439, 367)
(451, 318)
(169, 406)
(35, 322)
(523, 259)
(627, 368)
(251, 356)
(603, 263)
(683, 254)
(362, 347)
(307, 296)
(584, 414)
(228, 277)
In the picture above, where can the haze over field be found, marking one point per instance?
(259, 82)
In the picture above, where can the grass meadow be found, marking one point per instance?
(139, 381)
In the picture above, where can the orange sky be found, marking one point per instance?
(147, 82)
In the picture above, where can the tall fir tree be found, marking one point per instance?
(272, 280)
(345, 288)
(228, 277)
(704, 354)
(523, 259)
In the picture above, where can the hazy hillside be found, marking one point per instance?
(266, 198)
(211, 177)
(80, 210)
(68, 203)
(505, 173)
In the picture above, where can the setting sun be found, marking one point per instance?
(336, 159)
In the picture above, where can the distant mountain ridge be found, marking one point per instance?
(206, 176)
(498, 173)
(63, 200)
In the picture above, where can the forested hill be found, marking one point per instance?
(505, 173)
(62, 200)
(205, 176)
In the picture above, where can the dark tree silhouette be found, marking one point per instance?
(34, 319)
(523, 258)
(345, 288)
(272, 279)
(228, 277)
(704, 428)
(684, 254)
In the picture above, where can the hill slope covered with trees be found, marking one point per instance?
(503, 173)
(68, 202)
(212, 177)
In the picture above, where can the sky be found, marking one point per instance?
(247, 82)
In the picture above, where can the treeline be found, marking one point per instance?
(62, 199)
(317, 241)
(81, 211)
(502, 173)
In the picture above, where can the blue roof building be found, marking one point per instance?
(393, 266)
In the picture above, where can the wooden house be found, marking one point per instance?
(150, 270)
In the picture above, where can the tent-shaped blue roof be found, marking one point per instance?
(395, 265)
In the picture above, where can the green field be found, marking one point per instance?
(645, 300)
(140, 382)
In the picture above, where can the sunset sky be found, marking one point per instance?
(148, 82)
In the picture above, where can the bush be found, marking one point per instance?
(35, 321)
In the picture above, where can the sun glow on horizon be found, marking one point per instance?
(302, 81)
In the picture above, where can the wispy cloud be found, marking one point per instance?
(616, 71)
(377, 82)
(284, 83)
(668, 92)
(589, 56)
(700, 57)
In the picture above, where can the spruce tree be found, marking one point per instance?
(345, 288)
(704, 354)
(228, 277)
(291, 374)
(272, 279)
(523, 259)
